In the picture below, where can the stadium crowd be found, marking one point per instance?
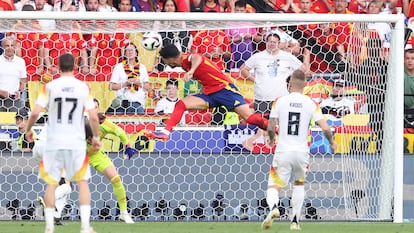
(321, 48)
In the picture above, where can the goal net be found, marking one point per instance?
(215, 167)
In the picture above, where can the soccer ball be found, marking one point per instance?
(151, 40)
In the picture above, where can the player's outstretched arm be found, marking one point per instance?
(94, 123)
(34, 115)
(326, 129)
(272, 131)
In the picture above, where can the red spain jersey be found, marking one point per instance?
(109, 49)
(6, 5)
(344, 28)
(61, 43)
(30, 43)
(207, 73)
(207, 41)
(320, 7)
(279, 4)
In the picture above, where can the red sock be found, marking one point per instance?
(176, 115)
(258, 120)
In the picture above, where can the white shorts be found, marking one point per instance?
(39, 150)
(287, 165)
(74, 162)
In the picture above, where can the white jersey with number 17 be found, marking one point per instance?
(294, 113)
(66, 98)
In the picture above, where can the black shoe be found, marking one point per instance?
(58, 222)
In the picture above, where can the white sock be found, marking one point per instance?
(124, 211)
(85, 213)
(272, 197)
(49, 218)
(62, 194)
(298, 196)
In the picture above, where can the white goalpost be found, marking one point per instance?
(362, 181)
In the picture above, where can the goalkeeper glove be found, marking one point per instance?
(129, 152)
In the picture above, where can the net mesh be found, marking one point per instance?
(214, 166)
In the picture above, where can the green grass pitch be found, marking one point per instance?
(210, 227)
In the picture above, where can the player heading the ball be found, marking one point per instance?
(218, 90)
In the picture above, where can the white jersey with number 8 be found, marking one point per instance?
(294, 113)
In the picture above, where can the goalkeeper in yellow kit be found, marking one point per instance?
(100, 161)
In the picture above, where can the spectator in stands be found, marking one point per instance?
(30, 47)
(59, 43)
(1, 38)
(105, 51)
(130, 80)
(166, 104)
(371, 77)
(212, 6)
(69, 5)
(43, 5)
(214, 45)
(269, 70)
(205, 6)
(409, 79)
(242, 39)
(381, 30)
(6, 5)
(328, 49)
(92, 5)
(125, 6)
(268, 6)
(13, 77)
(344, 28)
(105, 6)
(303, 7)
(145, 6)
(322, 6)
(21, 120)
(30, 44)
(337, 105)
(180, 38)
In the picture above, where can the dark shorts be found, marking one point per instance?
(229, 97)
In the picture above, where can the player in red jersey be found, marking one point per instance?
(218, 90)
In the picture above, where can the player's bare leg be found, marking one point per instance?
(188, 103)
(50, 207)
(247, 114)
